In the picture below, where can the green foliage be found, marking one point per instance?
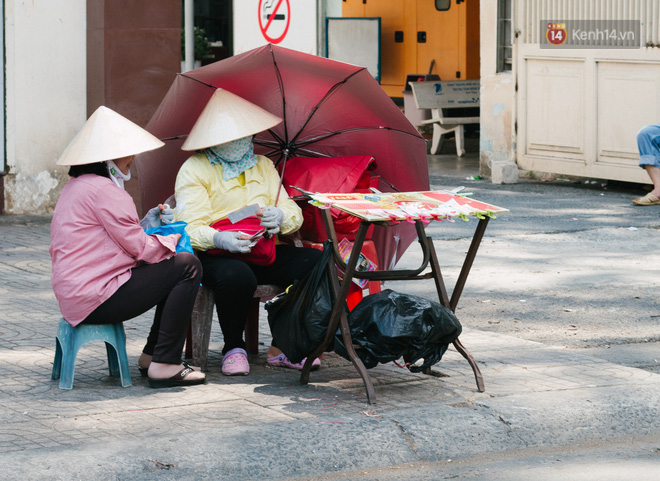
(201, 43)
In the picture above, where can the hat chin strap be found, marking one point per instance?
(117, 176)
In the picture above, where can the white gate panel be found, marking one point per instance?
(555, 108)
(579, 110)
(628, 96)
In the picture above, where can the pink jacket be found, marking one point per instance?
(96, 241)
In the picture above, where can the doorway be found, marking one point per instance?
(215, 17)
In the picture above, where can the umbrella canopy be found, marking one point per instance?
(330, 109)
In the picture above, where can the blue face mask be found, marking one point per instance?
(235, 157)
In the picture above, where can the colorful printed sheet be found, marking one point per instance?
(407, 206)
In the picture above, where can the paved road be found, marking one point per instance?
(559, 311)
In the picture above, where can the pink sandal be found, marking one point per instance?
(283, 361)
(235, 363)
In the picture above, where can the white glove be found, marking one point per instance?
(159, 215)
(231, 241)
(151, 219)
(167, 215)
(271, 219)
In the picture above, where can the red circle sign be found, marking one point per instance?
(277, 19)
(556, 33)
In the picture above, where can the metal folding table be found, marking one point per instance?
(339, 314)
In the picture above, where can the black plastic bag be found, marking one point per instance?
(299, 318)
(389, 325)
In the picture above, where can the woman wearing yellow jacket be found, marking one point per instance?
(223, 176)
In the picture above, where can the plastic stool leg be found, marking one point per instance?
(57, 362)
(69, 351)
(70, 339)
(113, 361)
(122, 357)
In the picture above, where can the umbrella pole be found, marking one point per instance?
(279, 189)
(284, 159)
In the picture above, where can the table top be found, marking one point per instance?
(407, 206)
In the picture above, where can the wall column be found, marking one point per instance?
(133, 56)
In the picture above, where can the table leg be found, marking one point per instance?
(437, 275)
(467, 264)
(473, 364)
(444, 300)
(339, 317)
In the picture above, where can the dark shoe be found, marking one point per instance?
(144, 371)
(179, 379)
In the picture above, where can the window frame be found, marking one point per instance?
(504, 30)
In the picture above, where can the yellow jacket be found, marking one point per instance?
(203, 197)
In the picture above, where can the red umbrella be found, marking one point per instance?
(330, 109)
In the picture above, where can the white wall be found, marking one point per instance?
(327, 8)
(497, 139)
(46, 97)
(296, 30)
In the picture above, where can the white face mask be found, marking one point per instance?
(117, 176)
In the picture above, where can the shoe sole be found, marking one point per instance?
(314, 368)
(160, 383)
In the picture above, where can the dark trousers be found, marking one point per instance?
(171, 286)
(234, 281)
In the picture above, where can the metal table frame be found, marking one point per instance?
(339, 315)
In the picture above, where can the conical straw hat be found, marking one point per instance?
(228, 117)
(106, 136)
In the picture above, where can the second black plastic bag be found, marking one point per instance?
(389, 325)
(299, 318)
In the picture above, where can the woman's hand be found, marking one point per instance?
(162, 214)
(232, 242)
(271, 219)
(166, 214)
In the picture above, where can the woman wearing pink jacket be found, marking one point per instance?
(106, 269)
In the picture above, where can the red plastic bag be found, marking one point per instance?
(329, 174)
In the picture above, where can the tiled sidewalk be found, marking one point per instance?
(531, 390)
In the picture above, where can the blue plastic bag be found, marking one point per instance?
(174, 228)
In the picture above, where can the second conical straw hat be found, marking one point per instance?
(107, 136)
(228, 117)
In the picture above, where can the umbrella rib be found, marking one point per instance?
(354, 129)
(279, 140)
(281, 86)
(325, 97)
(176, 137)
(197, 80)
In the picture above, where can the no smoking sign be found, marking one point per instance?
(274, 19)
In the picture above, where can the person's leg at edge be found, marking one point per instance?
(648, 143)
(654, 174)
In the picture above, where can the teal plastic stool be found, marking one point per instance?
(70, 339)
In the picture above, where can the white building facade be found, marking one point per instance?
(46, 85)
(568, 111)
(559, 111)
(45, 98)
